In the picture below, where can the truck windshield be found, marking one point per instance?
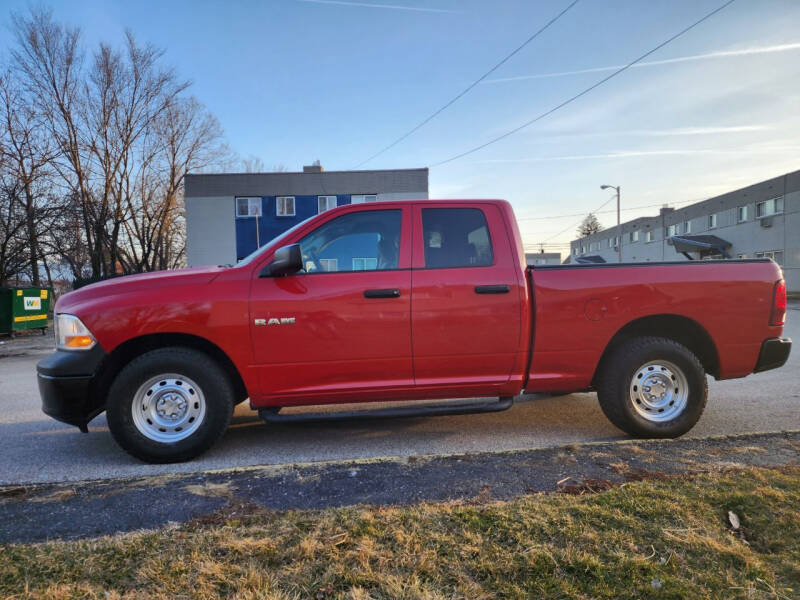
(274, 242)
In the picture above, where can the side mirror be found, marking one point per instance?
(285, 261)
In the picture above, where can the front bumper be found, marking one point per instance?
(66, 385)
(774, 353)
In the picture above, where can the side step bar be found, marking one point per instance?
(273, 415)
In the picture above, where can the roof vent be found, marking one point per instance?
(314, 167)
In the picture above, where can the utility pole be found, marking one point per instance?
(619, 226)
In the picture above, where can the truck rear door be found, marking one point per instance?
(466, 317)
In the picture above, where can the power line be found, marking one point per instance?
(469, 87)
(583, 214)
(599, 211)
(586, 91)
(601, 207)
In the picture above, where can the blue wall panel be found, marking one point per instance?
(270, 225)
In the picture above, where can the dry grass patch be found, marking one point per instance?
(668, 538)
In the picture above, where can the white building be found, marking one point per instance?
(761, 220)
(542, 258)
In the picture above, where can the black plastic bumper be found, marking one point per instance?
(774, 353)
(65, 385)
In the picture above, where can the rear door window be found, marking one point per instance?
(456, 237)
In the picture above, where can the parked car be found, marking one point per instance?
(404, 301)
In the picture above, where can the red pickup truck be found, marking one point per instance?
(404, 301)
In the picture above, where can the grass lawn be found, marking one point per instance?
(667, 538)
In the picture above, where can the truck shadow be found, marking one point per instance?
(45, 450)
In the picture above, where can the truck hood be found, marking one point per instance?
(136, 283)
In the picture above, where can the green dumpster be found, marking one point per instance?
(24, 308)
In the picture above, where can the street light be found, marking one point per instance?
(619, 227)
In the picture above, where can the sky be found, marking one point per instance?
(293, 81)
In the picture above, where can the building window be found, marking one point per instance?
(325, 203)
(776, 255)
(712, 221)
(583, 249)
(741, 214)
(593, 246)
(648, 237)
(248, 207)
(284, 206)
(672, 230)
(330, 264)
(365, 264)
(361, 198)
(635, 235)
(687, 227)
(773, 206)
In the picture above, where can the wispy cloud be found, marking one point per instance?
(621, 154)
(652, 63)
(643, 153)
(674, 131)
(695, 130)
(374, 5)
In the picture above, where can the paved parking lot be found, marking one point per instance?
(35, 448)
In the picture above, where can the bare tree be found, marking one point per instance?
(12, 227)
(100, 143)
(589, 226)
(252, 164)
(49, 60)
(27, 155)
(184, 138)
(96, 115)
(67, 242)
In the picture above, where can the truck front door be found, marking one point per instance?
(342, 327)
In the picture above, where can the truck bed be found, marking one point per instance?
(580, 310)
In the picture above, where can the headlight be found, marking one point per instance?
(71, 334)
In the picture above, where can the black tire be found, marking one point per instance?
(615, 381)
(191, 364)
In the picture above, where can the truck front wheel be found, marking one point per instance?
(169, 405)
(652, 387)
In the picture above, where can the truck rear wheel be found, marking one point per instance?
(169, 405)
(652, 387)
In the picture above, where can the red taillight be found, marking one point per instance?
(778, 314)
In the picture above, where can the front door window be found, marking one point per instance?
(361, 241)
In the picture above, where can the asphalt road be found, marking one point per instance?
(35, 448)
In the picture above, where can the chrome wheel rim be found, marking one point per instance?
(659, 391)
(168, 408)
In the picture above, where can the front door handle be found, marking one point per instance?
(390, 293)
(492, 289)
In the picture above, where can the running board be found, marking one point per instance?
(273, 415)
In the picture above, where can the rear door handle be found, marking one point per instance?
(492, 289)
(390, 293)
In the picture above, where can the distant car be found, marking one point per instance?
(404, 301)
